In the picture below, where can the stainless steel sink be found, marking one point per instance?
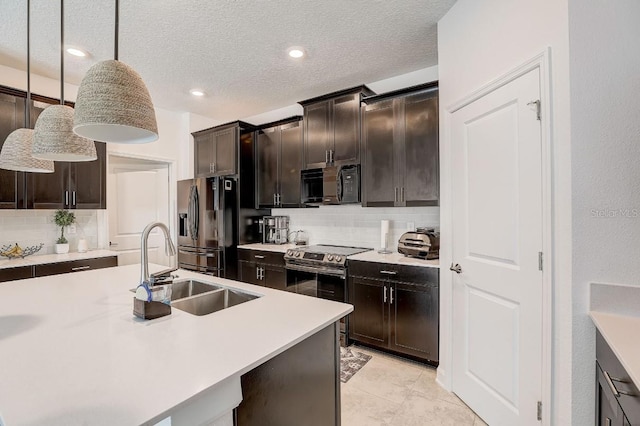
(217, 300)
(187, 288)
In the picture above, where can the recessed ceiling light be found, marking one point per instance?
(76, 52)
(296, 52)
(196, 92)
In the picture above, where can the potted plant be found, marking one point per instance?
(63, 218)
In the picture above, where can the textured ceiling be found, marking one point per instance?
(234, 50)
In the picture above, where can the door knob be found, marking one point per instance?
(455, 268)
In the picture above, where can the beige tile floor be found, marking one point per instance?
(390, 390)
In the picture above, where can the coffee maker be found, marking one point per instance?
(275, 229)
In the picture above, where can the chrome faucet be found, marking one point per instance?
(170, 249)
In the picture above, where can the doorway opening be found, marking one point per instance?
(138, 192)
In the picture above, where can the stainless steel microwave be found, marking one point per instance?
(331, 185)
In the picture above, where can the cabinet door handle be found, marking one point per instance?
(402, 194)
(613, 387)
(331, 156)
(385, 295)
(73, 198)
(66, 198)
(275, 200)
(80, 268)
(391, 292)
(257, 273)
(395, 196)
(388, 272)
(326, 156)
(279, 196)
(258, 256)
(261, 274)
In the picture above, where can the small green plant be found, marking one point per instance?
(63, 218)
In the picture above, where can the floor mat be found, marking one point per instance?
(350, 362)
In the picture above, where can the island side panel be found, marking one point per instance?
(301, 386)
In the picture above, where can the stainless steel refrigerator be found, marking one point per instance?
(211, 224)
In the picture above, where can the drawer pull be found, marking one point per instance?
(388, 272)
(80, 268)
(257, 256)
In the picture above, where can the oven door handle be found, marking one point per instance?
(318, 270)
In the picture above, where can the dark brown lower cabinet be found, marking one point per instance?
(617, 397)
(262, 268)
(19, 273)
(396, 308)
(45, 269)
(300, 386)
(74, 266)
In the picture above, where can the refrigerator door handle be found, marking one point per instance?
(216, 194)
(194, 212)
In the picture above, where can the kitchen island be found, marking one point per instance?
(73, 353)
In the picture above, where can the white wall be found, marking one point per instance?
(32, 227)
(478, 42)
(605, 128)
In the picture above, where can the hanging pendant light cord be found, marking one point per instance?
(27, 112)
(117, 30)
(61, 52)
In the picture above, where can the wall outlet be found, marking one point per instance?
(411, 226)
(71, 230)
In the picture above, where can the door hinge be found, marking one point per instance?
(540, 261)
(539, 410)
(538, 108)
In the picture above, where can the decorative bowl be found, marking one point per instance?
(14, 251)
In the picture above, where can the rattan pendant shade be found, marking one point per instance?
(54, 138)
(114, 105)
(16, 154)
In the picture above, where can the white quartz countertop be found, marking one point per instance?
(620, 331)
(281, 248)
(53, 258)
(72, 353)
(395, 258)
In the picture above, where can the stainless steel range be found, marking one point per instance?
(321, 271)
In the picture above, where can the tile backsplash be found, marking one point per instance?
(32, 227)
(354, 225)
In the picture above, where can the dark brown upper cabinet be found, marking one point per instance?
(279, 161)
(12, 117)
(400, 164)
(332, 128)
(216, 149)
(79, 185)
(73, 185)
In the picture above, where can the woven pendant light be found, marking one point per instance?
(113, 103)
(53, 137)
(16, 150)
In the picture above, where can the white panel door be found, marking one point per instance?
(497, 236)
(135, 199)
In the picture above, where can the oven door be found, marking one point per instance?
(324, 283)
(310, 282)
